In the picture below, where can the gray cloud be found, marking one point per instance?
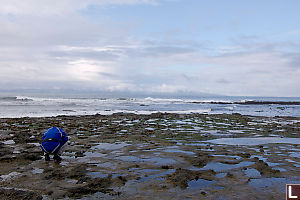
(54, 47)
(109, 75)
(94, 55)
(165, 50)
(223, 81)
(294, 60)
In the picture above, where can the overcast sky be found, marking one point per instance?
(232, 47)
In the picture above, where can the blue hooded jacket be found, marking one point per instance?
(53, 139)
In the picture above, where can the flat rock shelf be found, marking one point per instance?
(156, 156)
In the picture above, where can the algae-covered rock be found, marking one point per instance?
(13, 194)
(181, 177)
(265, 169)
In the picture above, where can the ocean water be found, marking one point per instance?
(42, 106)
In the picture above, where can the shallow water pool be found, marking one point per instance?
(254, 141)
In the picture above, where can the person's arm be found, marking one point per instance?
(64, 138)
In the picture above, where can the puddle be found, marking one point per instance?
(289, 160)
(149, 150)
(218, 167)
(272, 164)
(117, 153)
(37, 171)
(293, 149)
(227, 156)
(88, 157)
(236, 131)
(94, 154)
(221, 175)
(254, 141)
(219, 188)
(252, 173)
(68, 157)
(72, 181)
(9, 142)
(130, 158)
(106, 165)
(35, 144)
(279, 183)
(280, 169)
(208, 148)
(202, 144)
(10, 176)
(97, 175)
(161, 161)
(110, 146)
(295, 155)
(265, 160)
(101, 175)
(217, 133)
(159, 176)
(199, 184)
(173, 150)
(149, 170)
(64, 163)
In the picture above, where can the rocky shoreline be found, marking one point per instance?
(165, 156)
(251, 102)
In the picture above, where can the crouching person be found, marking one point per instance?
(52, 142)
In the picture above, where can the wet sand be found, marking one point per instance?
(157, 156)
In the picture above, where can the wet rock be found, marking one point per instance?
(119, 181)
(80, 190)
(58, 194)
(265, 169)
(70, 180)
(93, 186)
(77, 171)
(49, 192)
(4, 150)
(229, 175)
(230, 162)
(256, 158)
(83, 179)
(79, 154)
(54, 174)
(244, 155)
(181, 177)
(10, 177)
(199, 161)
(31, 156)
(12, 194)
(261, 148)
(8, 158)
(157, 115)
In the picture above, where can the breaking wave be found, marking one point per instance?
(28, 106)
(16, 98)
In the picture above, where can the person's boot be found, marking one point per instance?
(57, 158)
(47, 157)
